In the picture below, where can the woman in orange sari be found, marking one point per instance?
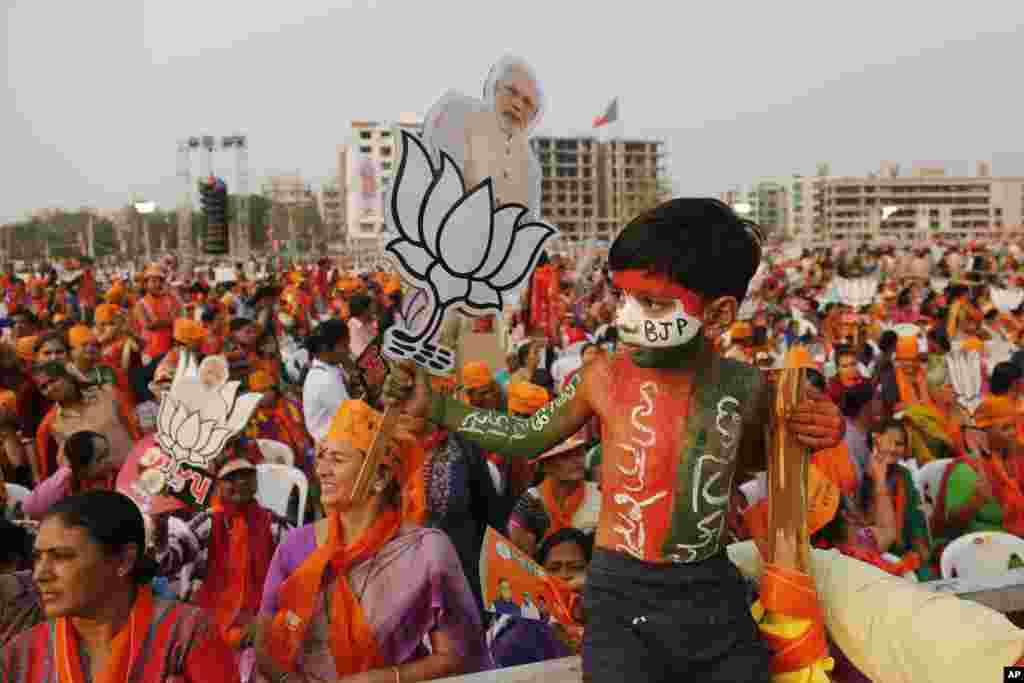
(103, 622)
(355, 596)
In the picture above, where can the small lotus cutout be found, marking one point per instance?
(200, 413)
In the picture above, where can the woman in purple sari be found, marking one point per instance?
(367, 594)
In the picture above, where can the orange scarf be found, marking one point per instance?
(913, 389)
(353, 644)
(124, 650)
(561, 517)
(899, 503)
(1008, 492)
(237, 565)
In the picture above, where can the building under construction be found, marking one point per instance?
(591, 188)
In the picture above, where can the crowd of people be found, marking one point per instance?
(389, 588)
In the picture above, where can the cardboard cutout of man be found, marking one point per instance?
(489, 138)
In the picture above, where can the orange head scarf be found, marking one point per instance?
(105, 313)
(526, 398)
(189, 332)
(995, 410)
(357, 423)
(476, 374)
(80, 335)
(260, 380)
(25, 347)
(8, 400)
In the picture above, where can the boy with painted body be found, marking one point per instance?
(678, 421)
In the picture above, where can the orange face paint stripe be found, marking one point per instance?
(659, 286)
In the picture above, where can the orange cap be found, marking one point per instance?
(526, 398)
(8, 400)
(907, 348)
(188, 331)
(25, 347)
(476, 374)
(80, 335)
(995, 410)
(105, 313)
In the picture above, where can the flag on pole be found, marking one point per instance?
(611, 114)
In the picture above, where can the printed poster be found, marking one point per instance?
(515, 585)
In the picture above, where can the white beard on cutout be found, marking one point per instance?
(636, 328)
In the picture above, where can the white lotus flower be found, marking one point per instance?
(454, 243)
(856, 292)
(965, 376)
(1006, 300)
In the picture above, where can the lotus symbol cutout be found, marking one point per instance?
(457, 246)
(197, 418)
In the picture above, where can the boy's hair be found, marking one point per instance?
(699, 243)
(1003, 376)
(887, 342)
(359, 304)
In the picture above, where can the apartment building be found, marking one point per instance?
(366, 165)
(591, 188)
(926, 203)
(331, 204)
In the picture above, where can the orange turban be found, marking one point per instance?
(8, 400)
(116, 293)
(741, 330)
(392, 285)
(442, 384)
(973, 344)
(188, 331)
(25, 347)
(80, 335)
(106, 313)
(355, 422)
(476, 374)
(907, 348)
(995, 410)
(153, 271)
(260, 380)
(526, 398)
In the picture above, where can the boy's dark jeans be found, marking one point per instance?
(675, 622)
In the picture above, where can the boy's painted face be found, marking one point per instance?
(655, 313)
(655, 323)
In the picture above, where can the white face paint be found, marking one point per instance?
(638, 328)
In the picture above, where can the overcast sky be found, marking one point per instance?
(98, 92)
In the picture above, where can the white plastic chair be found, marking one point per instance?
(276, 483)
(275, 452)
(980, 555)
(928, 479)
(16, 493)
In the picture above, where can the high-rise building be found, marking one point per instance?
(926, 204)
(366, 165)
(331, 203)
(591, 188)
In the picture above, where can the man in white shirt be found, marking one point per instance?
(360, 324)
(326, 383)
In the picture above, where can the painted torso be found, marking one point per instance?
(670, 450)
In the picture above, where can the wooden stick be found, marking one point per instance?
(788, 540)
(381, 440)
